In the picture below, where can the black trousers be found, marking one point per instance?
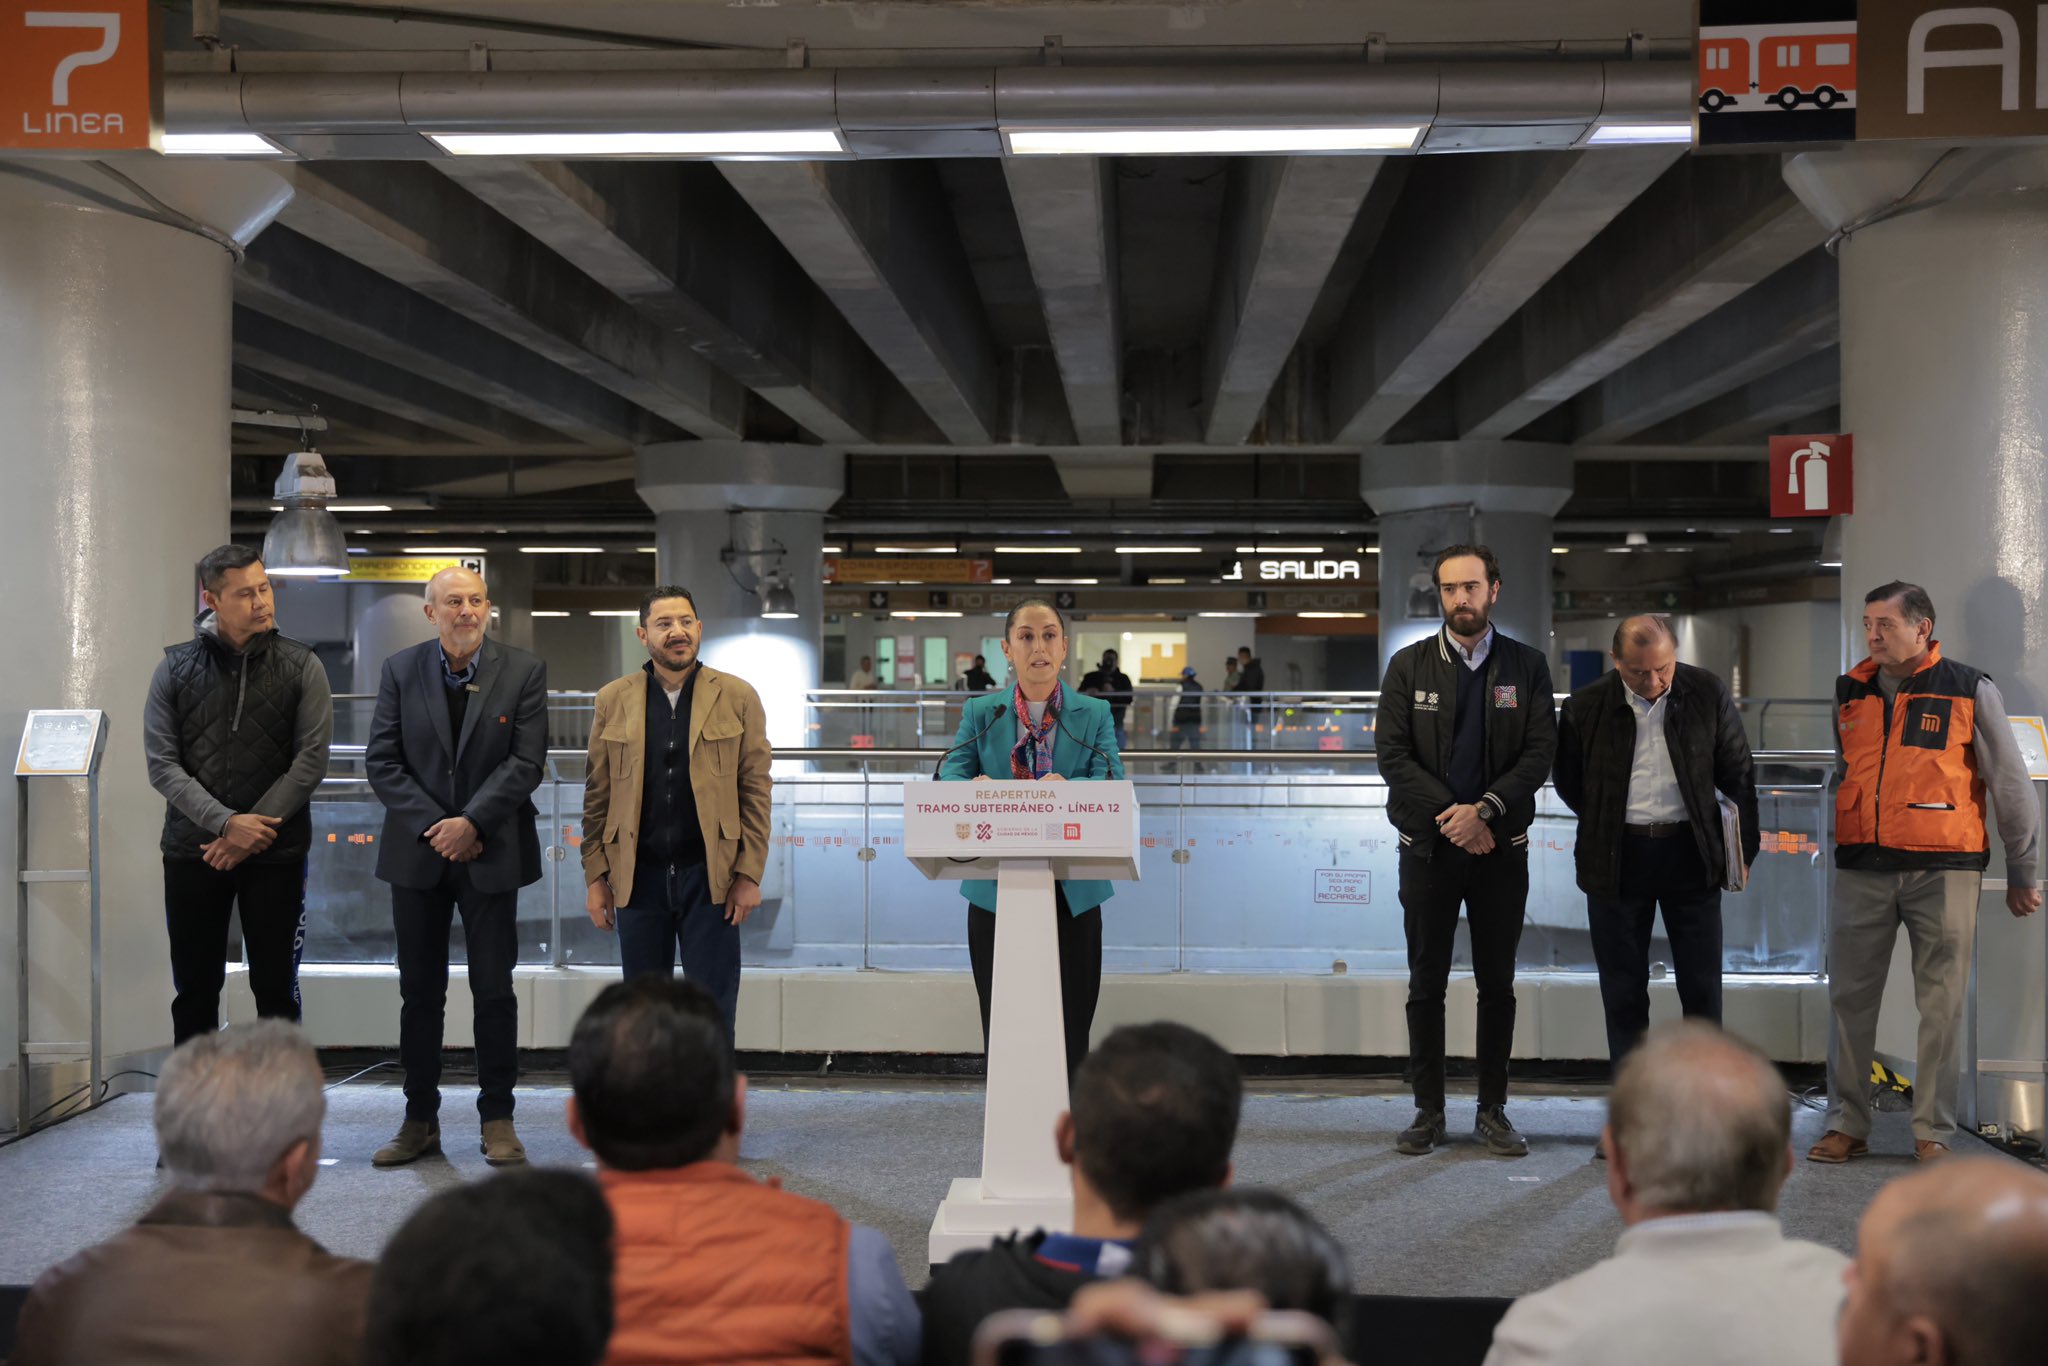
(1656, 874)
(197, 903)
(490, 934)
(672, 909)
(1080, 942)
(1494, 889)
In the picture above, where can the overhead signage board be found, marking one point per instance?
(908, 569)
(1283, 569)
(79, 77)
(406, 569)
(1817, 72)
(1812, 476)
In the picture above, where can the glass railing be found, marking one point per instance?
(1286, 722)
(1249, 862)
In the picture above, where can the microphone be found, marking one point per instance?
(1062, 724)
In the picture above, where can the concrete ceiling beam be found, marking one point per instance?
(1793, 314)
(1709, 229)
(1066, 211)
(878, 238)
(313, 287)
(414, 226)
(1753, 410)
(1473, 238)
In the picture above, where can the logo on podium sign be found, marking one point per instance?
(1812, 476)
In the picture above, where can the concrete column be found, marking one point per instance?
(1503, 494)
(114, 393)
(727, 513)
(1945, 388)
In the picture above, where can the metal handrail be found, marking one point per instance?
(1283, 756)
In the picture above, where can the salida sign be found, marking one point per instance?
(78, 76)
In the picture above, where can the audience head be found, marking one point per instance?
(240, 1110)
(653, 1077)
(1699, 1120)
(1951, 1267)
(1154, 1114)
(514, 1268)
(1258, 1240)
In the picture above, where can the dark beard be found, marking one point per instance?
(1485, 619)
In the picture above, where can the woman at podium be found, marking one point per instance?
(1039, 728)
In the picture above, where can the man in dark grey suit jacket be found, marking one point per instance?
(457, 746)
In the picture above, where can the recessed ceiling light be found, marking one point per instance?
(1166, 581)
(220, 145)
(1038, 550)
(561, 550)
(773, 142)
(1279, 550)
(1159, 550)
(1025, 142)
(911, 616)
(1781, 531)
(1067, 581)
(441, 550)
(917, 550)
(1560, 550)
(1227, 614)
(648, 550)
(831, 550)
(540, 613)
(613, 612)
(1330, 615)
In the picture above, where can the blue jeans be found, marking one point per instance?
(672, 907)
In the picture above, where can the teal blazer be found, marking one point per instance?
(1084, 721)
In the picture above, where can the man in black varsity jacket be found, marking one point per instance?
(1467, 731)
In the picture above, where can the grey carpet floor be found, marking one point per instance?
(1453, 1223)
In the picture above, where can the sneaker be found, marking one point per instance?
(501, 1146)
(1836, 1147)
(414, 1140)
(1501, 1138)
(1426, 1132)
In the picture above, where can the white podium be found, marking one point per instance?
(1025, 835)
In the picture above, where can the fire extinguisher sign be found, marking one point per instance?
(1812, 476)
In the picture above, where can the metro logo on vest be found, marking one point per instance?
(1911, 795)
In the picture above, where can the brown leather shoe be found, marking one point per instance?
(415, 1139)
(501, 1146)
(1836, 1147)
(1927, 1150)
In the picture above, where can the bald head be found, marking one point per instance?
(1646, 655)
(1699, 1120)
(1951, 1265)
(459, 608)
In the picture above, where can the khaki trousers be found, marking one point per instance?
(1938, 907)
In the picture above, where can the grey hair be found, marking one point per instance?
(231, 1103)
(428, 591)
(1702, 1120)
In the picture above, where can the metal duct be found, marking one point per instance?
(935, 111)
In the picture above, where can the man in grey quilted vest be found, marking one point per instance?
(236, 732)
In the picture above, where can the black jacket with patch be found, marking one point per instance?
(1413, 736)
(966, 1290)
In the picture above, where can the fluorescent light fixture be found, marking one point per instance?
(831, 550)
(768, 142)
(998, 580)
(912, 616)
(1560, 550)
(1372, 550)
(220, 145)
(1781, 531)
(645, 549)
(614, 612)
(917, 550)
(1228, 614)
(441, 550)
(1159, 550)
(358, 550)
(1028, 142)
(1279, 550)
(1634, 134)
(541, 613)
(358, 507)
(1166, 581)
(561, 550)
(1038, 550)
(1331, 615)
(1067, 581)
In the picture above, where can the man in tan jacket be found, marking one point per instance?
(675, 807)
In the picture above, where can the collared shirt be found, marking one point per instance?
(453, 680)
(1653, 795)
(1475, 657)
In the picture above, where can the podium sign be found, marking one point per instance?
(967, 829)
(1025, 835)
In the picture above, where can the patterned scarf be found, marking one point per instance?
(1031, 756)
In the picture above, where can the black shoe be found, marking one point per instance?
(1425, 1133)
(1501, 1138)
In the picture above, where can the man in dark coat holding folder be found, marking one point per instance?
(1643, 754)
(456, 749)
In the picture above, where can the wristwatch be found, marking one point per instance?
(1485, 811)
